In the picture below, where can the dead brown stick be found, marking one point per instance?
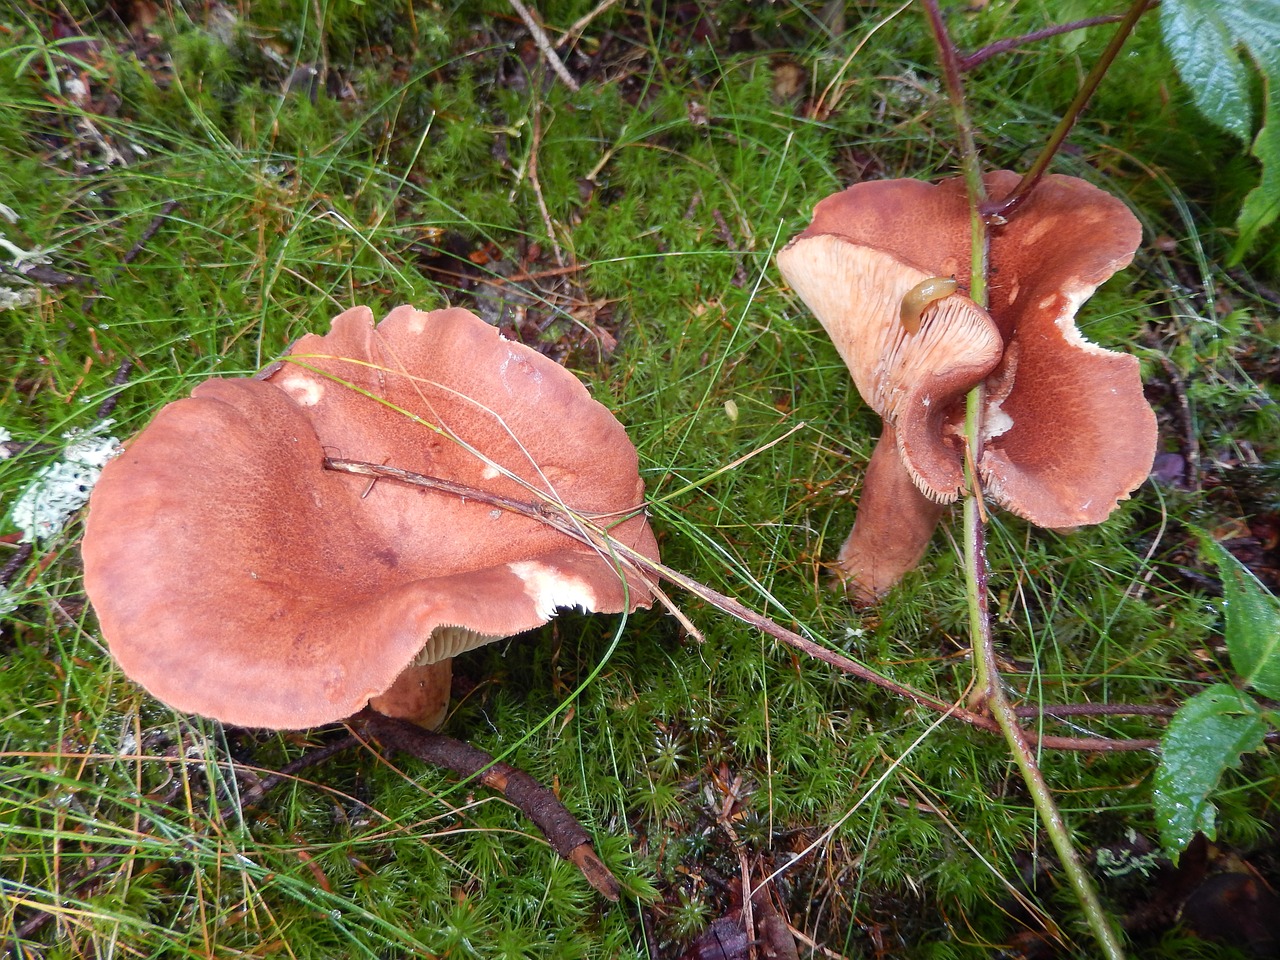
(539, 275)
(565, 834)
(532, 171)
(145, 237)
(544, 45)
(581, 529)
(290, 770)
(584, 21)
(971, 60)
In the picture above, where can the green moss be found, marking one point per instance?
(671, 179)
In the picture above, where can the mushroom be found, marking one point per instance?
(1066, 431)
(234, 577)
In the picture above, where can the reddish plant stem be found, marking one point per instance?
(949, 60)
(1095, 710)
(579, 528)
(563, 831)
(1003, 209)
(968, 61)
(988, 691)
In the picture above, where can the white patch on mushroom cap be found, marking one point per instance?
(995, 423)
(1037, 230)
(490, 473)
(521, 363)
(550, 590)
(305, 391)
(1075, 294)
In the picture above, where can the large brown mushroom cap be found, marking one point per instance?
(1070, 432)
(234, 577)
(1067, 432)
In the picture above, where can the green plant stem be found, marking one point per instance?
(999, 707)
(1005, 207)
(986, 670)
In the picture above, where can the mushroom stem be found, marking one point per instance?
(891, 533)
(420, 694)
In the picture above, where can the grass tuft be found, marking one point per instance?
(669, 181)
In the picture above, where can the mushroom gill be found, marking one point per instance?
(1067, 431)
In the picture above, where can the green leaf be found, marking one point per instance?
(1252, 628)
(1262, 205)
(1203, 48)
(1203, 37)
(1208, 734)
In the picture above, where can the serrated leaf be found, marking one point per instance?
(1262, 205)
(1204, 37)
(1208, 734)
(1252, 628)
(1203, 48)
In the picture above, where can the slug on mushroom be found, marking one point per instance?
(919, 298)
(1066, 432)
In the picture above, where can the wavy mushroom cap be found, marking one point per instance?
(234, 577)
(1068, 432)
(916, 381)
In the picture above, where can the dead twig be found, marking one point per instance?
(145, 237)
(290, 770)
(48, 276)
(108, 406)
(544, 45)
(537, 275)
(581, 529)
(532, 171)
(565, 834)
(15, 563)
(1186, 421)
(726, 237)
(583, 22)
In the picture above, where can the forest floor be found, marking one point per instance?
(188, 188)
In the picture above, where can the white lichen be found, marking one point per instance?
(21, 264)
(13, 297)
(60, 489)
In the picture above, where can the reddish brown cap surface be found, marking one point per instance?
(236, 578)
(1070, 433)
(1067, 431)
